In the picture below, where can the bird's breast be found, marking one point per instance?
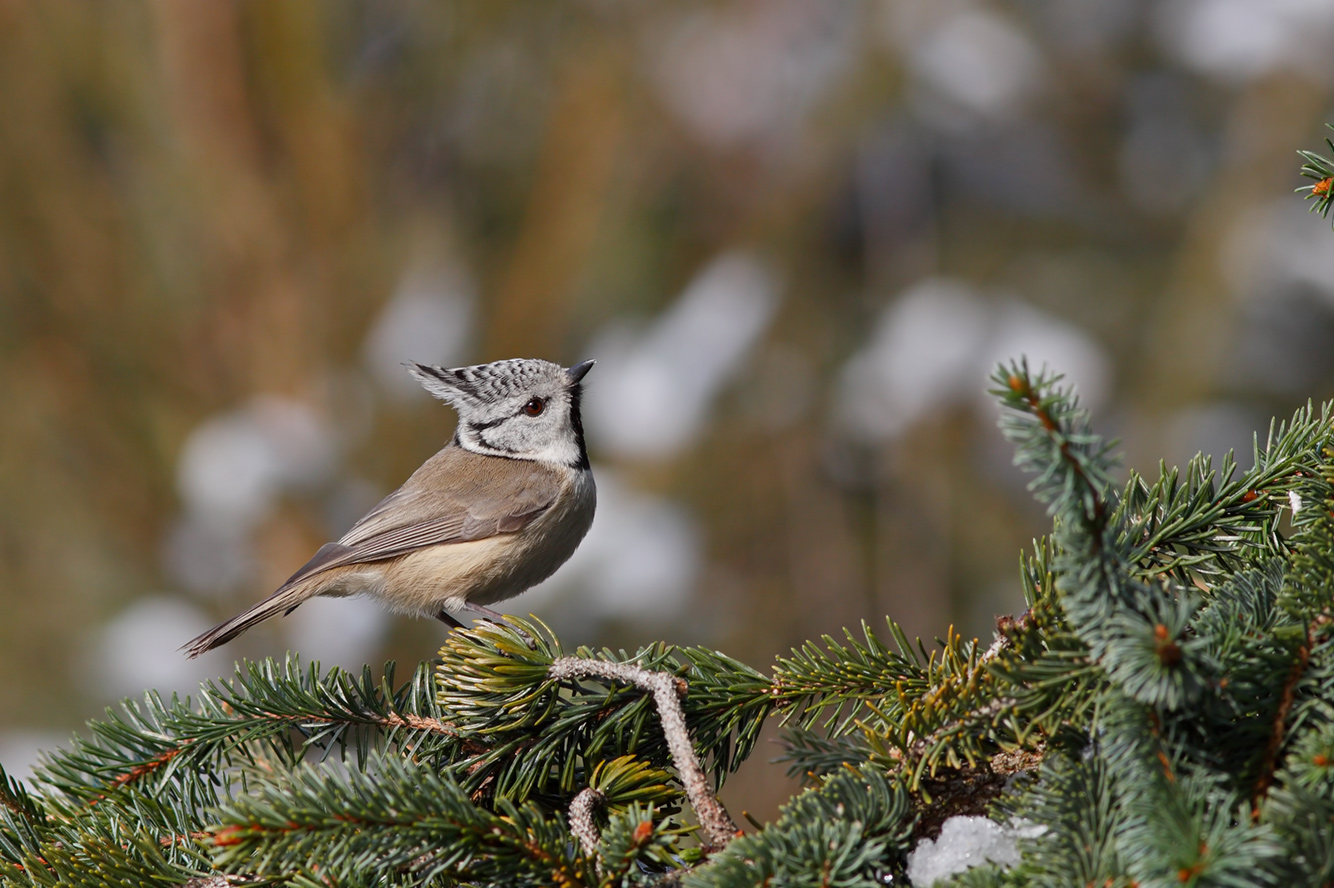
(498, 567)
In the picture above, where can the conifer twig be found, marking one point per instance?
(12, 802)
(142, 769)
(666, 689)
(582, 824)
(151, 765)
(1096, 516)
(1280, 723)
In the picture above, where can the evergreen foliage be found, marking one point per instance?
(1321, 169)
(1165, 708)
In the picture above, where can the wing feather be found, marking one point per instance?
(455, 497)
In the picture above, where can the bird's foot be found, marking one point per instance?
(494, 616)
(503, 620)
(448, 620)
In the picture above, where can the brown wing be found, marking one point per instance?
(455, 497)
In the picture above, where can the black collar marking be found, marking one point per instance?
(576, 393)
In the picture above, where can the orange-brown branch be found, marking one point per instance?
(1266, 778)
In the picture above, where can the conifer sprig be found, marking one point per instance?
(283, 706)
(537, 736)
(841, 681)
(396, 819)
(1131, 626)
(1187, 593)
(1172, 674)
(1321, 169)
(851, 831)
(812, 755)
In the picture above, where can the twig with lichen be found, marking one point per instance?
(582, 810)
(667, 690)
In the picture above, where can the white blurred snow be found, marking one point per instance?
(972, 59)
(937, 344)
(662, 379)
(640, 561)
(232, 471)
(1238, 40)
(1275, 246)
(966, 842)
(21, 749)
(234, 465)
(428, 319)
(749, 73)
(139, 649)
(342, 632)
(230, 474)
(980, 61)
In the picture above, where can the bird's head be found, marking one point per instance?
(522, 408)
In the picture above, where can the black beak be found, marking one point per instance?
(577, 372)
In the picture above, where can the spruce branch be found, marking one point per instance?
(214, 882)
(811, 756)
(667, 689)
(1129, 622)
(1076, 798)
(945, 708)
(393, 820)
(1309, 594)
(842, 681)
(853, 830)
(1301, 805)
(16, 800)
(638, 847)
(286, 707)
(1071, 446)
(1281, 714)
(1171, 678)
(627, 780)
(1321, 169)
(142, 770)
(621, 787)
(1194, 522)
(101, 851)
(536, 736)
(1044, 666)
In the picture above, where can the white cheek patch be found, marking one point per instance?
(549, 438)
(562, 452)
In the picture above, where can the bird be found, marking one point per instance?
(493, 513)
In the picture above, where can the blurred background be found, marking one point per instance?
(796, 235)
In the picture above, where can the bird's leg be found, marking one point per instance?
(493, 616)
(500, 619)
(448, 620)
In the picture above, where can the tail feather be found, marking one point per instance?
(284, 601)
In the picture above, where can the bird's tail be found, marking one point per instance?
(284, 601)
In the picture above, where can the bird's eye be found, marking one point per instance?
(534, 407)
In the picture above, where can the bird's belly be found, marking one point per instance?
(424, 581)
(485, 571)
